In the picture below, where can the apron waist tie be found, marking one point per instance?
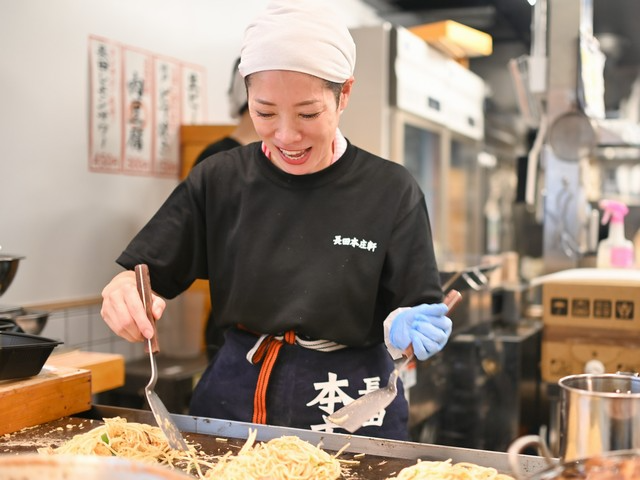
(266, 350)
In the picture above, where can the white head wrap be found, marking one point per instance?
(237, 93)
(301, 36)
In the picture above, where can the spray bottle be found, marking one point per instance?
(615, 251)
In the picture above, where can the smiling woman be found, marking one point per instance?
(311, 244)
(299, 125)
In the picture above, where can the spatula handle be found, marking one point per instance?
(451, 298)
(143, 282)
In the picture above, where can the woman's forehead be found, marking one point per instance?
(287, 84)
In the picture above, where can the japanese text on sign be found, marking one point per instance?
(137, 101)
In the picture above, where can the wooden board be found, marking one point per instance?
(52, 394)
(194, 139)
(107, 369)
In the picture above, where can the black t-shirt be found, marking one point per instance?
(226, 143)
(328, 254)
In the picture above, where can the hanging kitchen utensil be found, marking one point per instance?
(572, 136)
(160, 412)
(351, 417)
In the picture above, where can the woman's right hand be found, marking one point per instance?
(123, 311)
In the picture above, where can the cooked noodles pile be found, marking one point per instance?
(135, 441)
(427, 470)
(284, 458)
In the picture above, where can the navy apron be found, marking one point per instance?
(303, 388)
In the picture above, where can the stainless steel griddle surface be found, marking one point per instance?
(377, 458)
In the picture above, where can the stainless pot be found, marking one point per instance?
(598, 414)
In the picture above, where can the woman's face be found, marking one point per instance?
(296, 116)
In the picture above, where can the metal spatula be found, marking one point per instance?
(351, 417)
(160, 412)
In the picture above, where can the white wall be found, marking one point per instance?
(70, 223)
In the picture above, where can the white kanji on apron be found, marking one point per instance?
(331, 394)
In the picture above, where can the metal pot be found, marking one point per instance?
(77, 467)
(27, 321)
(598, 414)
(8, 268)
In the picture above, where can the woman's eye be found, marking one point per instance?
(308, 116)
(264, 114)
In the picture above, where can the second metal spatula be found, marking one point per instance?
(160, 412)
(351, 417)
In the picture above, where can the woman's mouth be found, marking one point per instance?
(295, 157)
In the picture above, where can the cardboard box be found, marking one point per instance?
(606, 303)
(567, 351)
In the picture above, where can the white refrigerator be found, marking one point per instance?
(415, 106)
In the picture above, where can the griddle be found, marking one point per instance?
(377, 458)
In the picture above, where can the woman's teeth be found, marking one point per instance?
(293, 154)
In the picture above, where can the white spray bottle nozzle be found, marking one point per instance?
(613, 210)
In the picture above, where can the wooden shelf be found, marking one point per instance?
(455, 39)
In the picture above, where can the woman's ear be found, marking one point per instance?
(347, 86)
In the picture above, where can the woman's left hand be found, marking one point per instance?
(424, 327)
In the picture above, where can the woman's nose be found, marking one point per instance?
(287, 132)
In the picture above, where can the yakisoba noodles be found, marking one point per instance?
(283, 458)
(431, 470)
(136, 441)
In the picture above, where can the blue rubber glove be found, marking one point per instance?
(425, 327)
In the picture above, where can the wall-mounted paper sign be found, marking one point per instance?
(138, 111)
(138, 100)
(105, 107)
(167, 116)
(193, 95)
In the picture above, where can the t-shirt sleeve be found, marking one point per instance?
(172, 243)
(411, 275)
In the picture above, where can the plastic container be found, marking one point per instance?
(615, 251)
(23, 355)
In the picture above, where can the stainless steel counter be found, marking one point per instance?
(381, 459)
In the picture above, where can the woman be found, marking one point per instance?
(313, 247)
